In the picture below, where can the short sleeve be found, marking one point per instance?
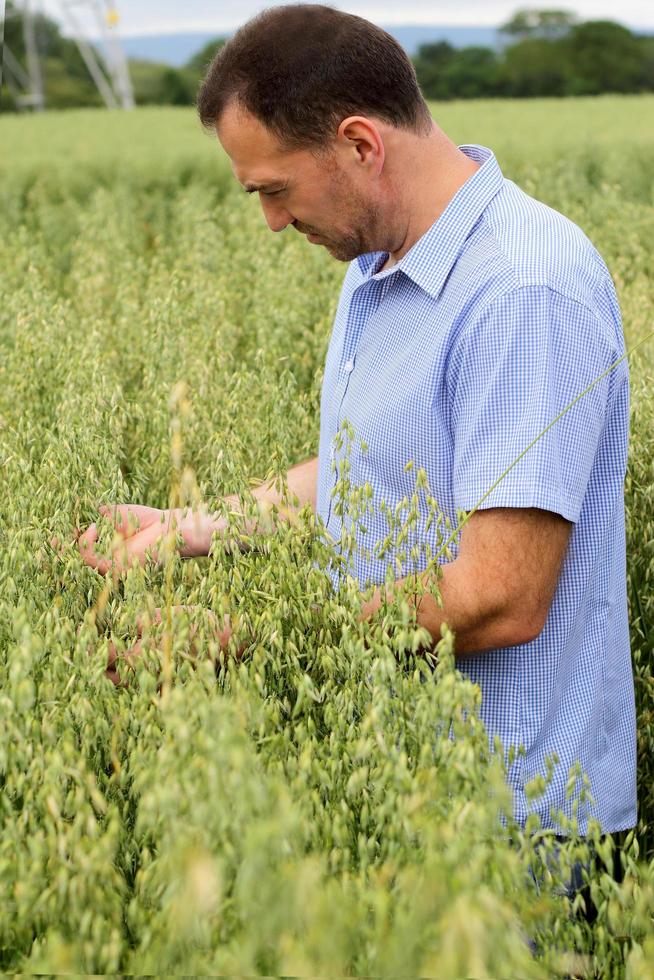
(511, 372)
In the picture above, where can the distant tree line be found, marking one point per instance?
(546, 52)
(543, 53)
(156, 84)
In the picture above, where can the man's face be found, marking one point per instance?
(318, 197)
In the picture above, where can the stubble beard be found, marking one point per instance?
(364, 220)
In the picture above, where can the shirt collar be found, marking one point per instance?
(429, 260)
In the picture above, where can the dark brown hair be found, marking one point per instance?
(302, 68)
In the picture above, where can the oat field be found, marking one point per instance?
(303, 811)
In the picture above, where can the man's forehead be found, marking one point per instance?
(255, 153)
(259, 160)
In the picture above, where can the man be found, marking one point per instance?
(470, 316)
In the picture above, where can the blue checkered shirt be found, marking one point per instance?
(454, 359)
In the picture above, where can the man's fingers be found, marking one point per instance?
(58, 545)
(127, 656)
(128, 519)
(114, 654)
(213, 621)
(139, 531)
(156, 616)
(86, 540)
(122, 557)
(124, 517)
(85, 544)
(138, 547)
(147, 619)
(220, 627)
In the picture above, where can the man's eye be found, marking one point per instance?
(271, 193)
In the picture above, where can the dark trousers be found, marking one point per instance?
(577, 884)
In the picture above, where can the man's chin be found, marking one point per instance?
(340, 253)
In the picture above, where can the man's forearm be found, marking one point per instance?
(477, 613)
(198, 528)
(302, 482)
(499, 590)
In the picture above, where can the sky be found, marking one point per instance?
(206, 16)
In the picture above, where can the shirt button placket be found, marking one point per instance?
(351, 340)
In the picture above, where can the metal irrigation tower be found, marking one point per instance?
(107, 67)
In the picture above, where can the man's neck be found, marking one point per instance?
(437, 170)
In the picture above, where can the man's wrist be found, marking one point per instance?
(197, 529)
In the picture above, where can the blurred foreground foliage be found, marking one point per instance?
(330, 805)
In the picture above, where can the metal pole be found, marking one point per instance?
(116, 56)
(90, 59)
(13, 66)
(2, 41)
(112, 62)
(35, 96)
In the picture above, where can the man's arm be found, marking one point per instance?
(498, 590)
(197, 530)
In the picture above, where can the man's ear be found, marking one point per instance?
(365, 141)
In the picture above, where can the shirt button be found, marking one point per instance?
(348, 366)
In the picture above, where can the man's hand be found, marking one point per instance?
(220, 633)
(141, 530)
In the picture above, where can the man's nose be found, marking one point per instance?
(276, 216)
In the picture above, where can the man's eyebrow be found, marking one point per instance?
(251, 188)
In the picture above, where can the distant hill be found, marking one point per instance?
(167, 49)
(176, 49)
(413, 35)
